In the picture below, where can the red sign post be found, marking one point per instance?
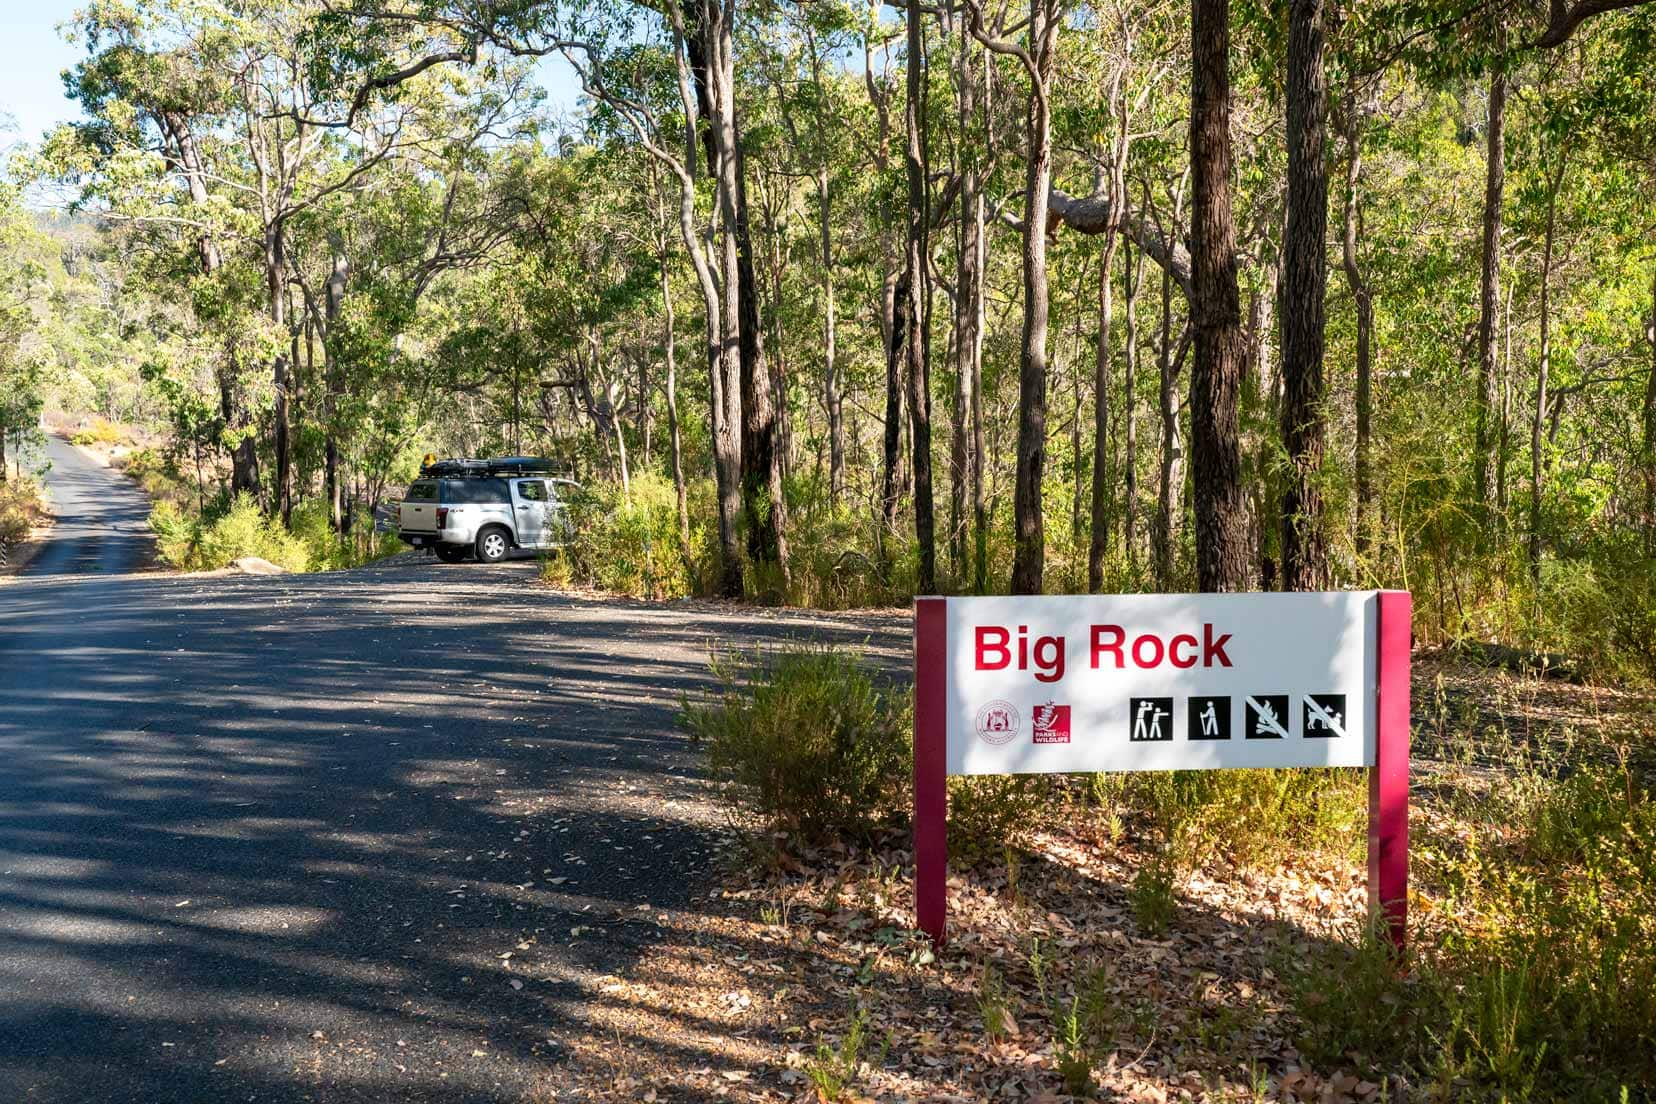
(1263, 680)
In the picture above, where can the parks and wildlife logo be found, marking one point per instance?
(997, 722)
(1052, 723)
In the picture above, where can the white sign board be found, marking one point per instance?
(1040, 685)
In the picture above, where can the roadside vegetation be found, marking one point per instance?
(22, 508)
(1139, 936)
(833, 415)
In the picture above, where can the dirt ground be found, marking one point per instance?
(746, 995)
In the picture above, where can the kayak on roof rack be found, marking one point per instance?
(493, 466)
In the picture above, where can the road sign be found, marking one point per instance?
(1035, 685)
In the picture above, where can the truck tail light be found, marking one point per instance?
(442, 517)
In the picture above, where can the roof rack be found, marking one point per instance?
(494, 466)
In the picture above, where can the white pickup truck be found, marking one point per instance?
(486, 508)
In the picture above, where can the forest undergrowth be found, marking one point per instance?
(1180, 936)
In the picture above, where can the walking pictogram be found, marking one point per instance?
(1267, 717)
(1209, 718)
(1325, 715)
(1151, 719)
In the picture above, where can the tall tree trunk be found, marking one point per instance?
(1649, 436)
(967, 305)
(1304, 284)
(891, 473)
(1100, 544)
(762, 492)
(1486, 458)
(1543, 370)
(275, 257)
(919, 299)
(1215, 378)
(1171, 475)
(333, 303)
(718, 81)
(831, 397)
(1029, 551)
(980, 492)
(1364, 303)
(693, 51)
(669, 349)
(1133, 266)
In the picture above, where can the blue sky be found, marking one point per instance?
(33, 56)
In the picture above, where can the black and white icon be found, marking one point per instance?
(1150, 719)
(1325, 715)
(1267, 717)
(1210, 718)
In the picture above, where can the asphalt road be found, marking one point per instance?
(365, 836)
(101, 517)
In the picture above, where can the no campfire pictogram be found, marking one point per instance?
(1267, 716)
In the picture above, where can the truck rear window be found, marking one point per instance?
(472, 492)
(423, 491)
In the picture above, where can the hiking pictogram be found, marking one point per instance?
(1210, 718)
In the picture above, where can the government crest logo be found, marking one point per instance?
(997, 723)
(1052, 724)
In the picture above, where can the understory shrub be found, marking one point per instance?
(327, 550)
(808, 741)
(100, 431)
(193, 542)
(627, 541)
(21, 508)
(1248, 817)
(1533, 976)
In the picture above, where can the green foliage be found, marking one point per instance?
(836, 1067)
(191, 543)
(1353, 1000)
(806, 740)
(1541, 984)
(326, 550)
(627, 542)
(21, 508)
(100, 431)
(1153, 895)
(987, 812)
(1247, 817)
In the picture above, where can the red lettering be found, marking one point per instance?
(1100, 646)
(1138, 648)
(1214, 648)
(1049, 658)
(1173, 650)
(987, 645)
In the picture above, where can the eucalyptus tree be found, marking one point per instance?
(1036, 55)
(21, 381)
(211, 120)
(1304, 284)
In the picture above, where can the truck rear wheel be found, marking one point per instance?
(492, 545)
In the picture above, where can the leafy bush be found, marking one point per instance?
(1536, 976)
(191, 543)
(101, 431)
(1248, 817)
(807, 741)
(21, 508)
(628, 542)
(327, 550)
